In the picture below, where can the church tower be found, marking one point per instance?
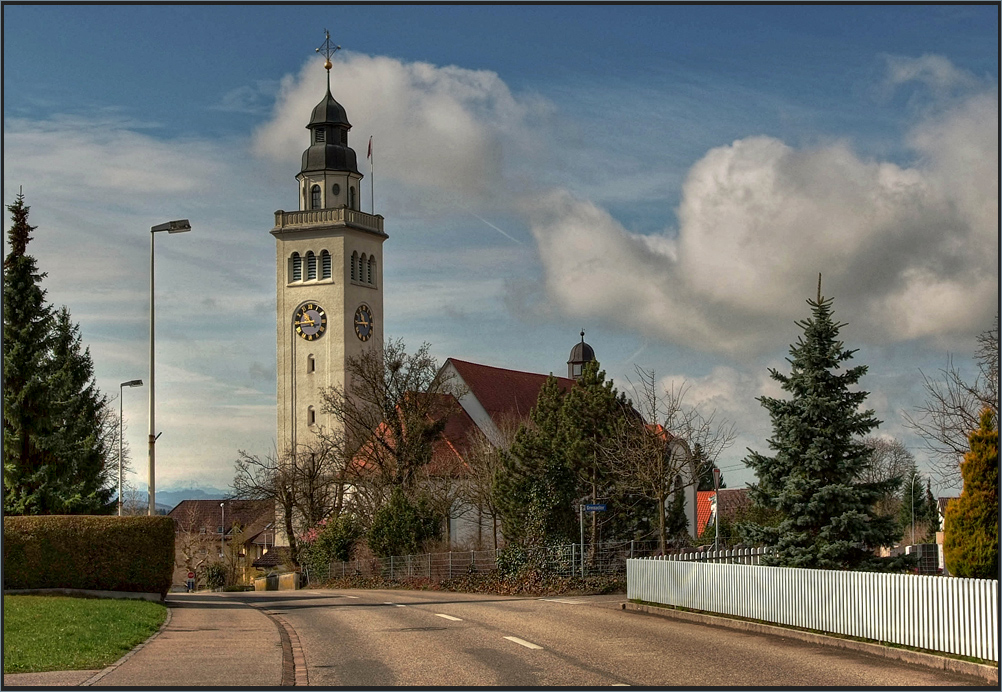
(329, 276)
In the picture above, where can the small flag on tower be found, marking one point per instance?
(369, 155)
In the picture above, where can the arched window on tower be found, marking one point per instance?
(311, 266)
(297, 267)
(354, 265)
(311, 416)
(311, 363)
(315, 197)
(370, 272)
(361, 268)
(325, 264)
(351, 197)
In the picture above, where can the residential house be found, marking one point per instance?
(235, 532)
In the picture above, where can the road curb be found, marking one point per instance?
(95, 678)
(294, 672)
(988, 673)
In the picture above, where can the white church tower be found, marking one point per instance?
(329, 275)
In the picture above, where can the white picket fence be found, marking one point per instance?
(738, 556)
(957, 616)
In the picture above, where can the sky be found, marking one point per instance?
(671, 179)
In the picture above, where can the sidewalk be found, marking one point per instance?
(212, 639)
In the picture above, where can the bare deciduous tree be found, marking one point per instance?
(192, 544)
(392, 410)
(953, 406)
(307, 485)
(889, 459)
(652, 452)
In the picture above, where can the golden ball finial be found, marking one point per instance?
(328, 64)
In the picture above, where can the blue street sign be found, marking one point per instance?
(594, 508)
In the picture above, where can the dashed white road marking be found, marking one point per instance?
(398, 605)
(448, 617)
(351, 596)
(528, 645)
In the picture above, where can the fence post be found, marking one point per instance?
(391, 567)
(450, 564)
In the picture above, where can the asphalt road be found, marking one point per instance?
(389, 638)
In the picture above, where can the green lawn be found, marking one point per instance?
(61, 633)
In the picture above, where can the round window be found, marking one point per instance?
(336, 189)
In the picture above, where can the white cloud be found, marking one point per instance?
(935, 71)
(446, 129)
(908, 251)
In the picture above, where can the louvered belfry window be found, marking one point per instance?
(297, 267)
(354, 264)
(311, 266)
(325, 264)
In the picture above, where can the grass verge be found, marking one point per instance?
(61, 633)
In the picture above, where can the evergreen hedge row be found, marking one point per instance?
(106, 553)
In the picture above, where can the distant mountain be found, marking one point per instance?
(169, 499)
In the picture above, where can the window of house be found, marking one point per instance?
(297, 267)
(311, 416)
(311, 363)
(311, 266)
(577, 369)
(315, 197)
(351, 197)
(325, 264)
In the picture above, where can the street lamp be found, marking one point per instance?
(222, 529)
(180, 226)
(121, 429)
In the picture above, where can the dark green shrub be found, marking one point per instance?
(334, 541)
(89, 552)
(401, 527)
(971, 527)
(215, 575)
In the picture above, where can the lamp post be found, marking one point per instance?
(222, 529)
(179, 226)
(121, 429)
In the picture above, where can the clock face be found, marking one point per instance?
(363, 322)
(310, 321)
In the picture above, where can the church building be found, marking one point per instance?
(329, 307)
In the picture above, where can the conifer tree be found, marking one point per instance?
(589, 416)
(27, 329)
(534, 488)
(829, 520)
(79, 437)
(56, 424)
(971, 527)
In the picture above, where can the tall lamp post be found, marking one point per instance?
(179, 226)
(121, 429)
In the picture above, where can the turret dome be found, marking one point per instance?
(581, 354)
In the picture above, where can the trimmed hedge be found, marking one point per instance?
(89, 552)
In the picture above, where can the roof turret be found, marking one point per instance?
(581, 354)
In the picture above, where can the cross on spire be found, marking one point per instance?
(329, 49)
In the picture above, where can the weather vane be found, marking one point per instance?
(328, 50)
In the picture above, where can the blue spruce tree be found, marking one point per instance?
(813, 478)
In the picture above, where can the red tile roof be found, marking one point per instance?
(251, 515)
(504, 394)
